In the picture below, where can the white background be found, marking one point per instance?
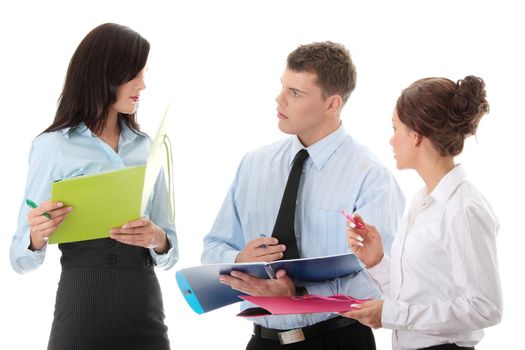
(220, 62)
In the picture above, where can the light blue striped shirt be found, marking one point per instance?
(339, 174)
(77, 151)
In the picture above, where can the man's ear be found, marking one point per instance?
(334, 104)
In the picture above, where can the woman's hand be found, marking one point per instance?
(142, 233)
(41, 227)
(366, 243)
(367, 313)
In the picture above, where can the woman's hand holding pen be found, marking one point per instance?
(366, 243)
(40, 226)
(142, 233)
(262, 249)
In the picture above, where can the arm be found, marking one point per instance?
(168, 254)
(226, 244)
(471, 244)
(41, 172)
(153, 232)
(225, 240)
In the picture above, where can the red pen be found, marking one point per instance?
(353, 219)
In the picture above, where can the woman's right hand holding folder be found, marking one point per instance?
(365, 241)
(43, 221)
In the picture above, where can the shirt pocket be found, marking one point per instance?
(323, 233)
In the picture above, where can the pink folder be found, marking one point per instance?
(298, 305)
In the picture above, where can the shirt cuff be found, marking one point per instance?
(381, 270)
(319, 289)
(160, 259)
(230, 256)
(394, 314)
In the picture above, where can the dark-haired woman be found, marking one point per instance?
(441, 283)
(108, 295)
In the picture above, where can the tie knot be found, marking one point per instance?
(301, 156)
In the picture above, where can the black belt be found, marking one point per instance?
(447, 347)
(300, 334)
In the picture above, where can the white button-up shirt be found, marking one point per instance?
(441, 284)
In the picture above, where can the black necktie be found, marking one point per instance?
(284, 225)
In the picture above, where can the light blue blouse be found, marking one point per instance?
(77, 151)
(339, 174)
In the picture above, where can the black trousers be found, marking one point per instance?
(353, 337)
(108, 298)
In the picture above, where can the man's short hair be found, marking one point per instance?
(331, 63)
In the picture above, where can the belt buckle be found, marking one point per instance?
(291, 336)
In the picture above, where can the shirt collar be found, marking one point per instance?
(126, 134)
(80, 129)
(448, 184)
(322, 150)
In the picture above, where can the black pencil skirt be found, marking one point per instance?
(108, 298)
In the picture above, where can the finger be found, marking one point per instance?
(355, 236)
(48, 223)
(356, 314)
(127, 231)
(260, 251)
(262, 242)
(59, 212)
(235, 283)
(274, 256)
(46, 206)
(355, 245)
(37, 220)
(244, 277)
(267, 258)
(136, 223)
(136, 240)
(46, 233)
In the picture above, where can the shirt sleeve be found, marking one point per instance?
(381, 274)
(381, 203)
(225, 240)
(470, 241)
(159, 214)
(41, 173)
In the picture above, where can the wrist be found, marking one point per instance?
(377, 262)
(36, 244)
(160, 242)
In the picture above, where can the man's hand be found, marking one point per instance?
(281, 286)
(263, 249)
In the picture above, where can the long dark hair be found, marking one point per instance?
(109, 56)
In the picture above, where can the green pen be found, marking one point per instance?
(33, 205)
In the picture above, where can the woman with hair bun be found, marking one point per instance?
(441, 283)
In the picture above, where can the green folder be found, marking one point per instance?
(100, 202)
(108, 200)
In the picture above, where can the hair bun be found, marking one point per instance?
(468, 105)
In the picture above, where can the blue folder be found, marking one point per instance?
(202, 290)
